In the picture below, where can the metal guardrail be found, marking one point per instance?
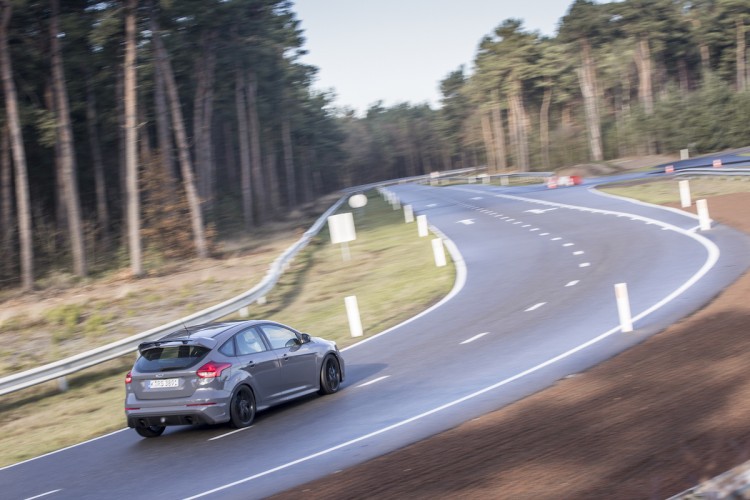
(67, 366)
(719, 171)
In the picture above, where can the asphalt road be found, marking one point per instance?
(534, 303)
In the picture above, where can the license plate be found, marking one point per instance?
(162, 383)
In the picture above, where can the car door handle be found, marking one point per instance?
(285, 357)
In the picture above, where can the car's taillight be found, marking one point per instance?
(212, 370)
(128, 378)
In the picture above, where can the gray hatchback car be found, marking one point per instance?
(225, 372)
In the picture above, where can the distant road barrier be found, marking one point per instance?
(721, 171)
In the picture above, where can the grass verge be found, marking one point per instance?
(664, 191)
(391, 271)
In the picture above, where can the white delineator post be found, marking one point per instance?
(623, 307)
(422, 225)
(685, 194)
(352, 313)
(408, 214)
(439, 252)
(703, 219)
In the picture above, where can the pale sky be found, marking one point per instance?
(399, 50)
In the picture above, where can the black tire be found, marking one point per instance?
(330, 376)
(151, 431)
(242, 408)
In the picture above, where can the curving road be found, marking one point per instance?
(534, 303)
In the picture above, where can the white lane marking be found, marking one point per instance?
(543, 234)
(579, 252)
(569, 244)
(572, 283)
(477, 198)
(557, 238)
(540, 210)
(518, 222)
(535, 307)
(432, 205)
(511, 220)
(711, 259)
(526, 225)
(534, 229)
(373, 381)
(475, 337)
(466, 222)
(63, 449)
(44, 494)
(230, 433)
(584, 264)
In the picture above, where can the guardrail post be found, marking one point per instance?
(62, 384)
(703, 218)
(685, 194)
(439, 252)
(623, 307)
(408, 214)
(422, 225)
(352, 313)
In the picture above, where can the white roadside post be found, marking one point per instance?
(408, 214)
(504, 180)
(352, 313)
(685, 194)
(684, 154)
(422, 225)
(623, 307)
(703, 219)
(439, 252)
(341, 227)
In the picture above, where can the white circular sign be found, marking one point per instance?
(358, 201)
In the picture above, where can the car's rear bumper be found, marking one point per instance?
(177, 415)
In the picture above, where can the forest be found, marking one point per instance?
(156, 127)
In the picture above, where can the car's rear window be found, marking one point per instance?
(171, 357)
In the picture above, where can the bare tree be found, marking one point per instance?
(131, 143)
(19, 153)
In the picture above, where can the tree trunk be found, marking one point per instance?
(587, 79)
(256, 162)
(741, 55)
(489, 144)
(23, 205)
(166, 155)
(202, 118)
(544, 126)
(68, 161)
(6, 208)
(499, 133)
(131, 143)
(644, 65)
(291, 186)
(520, 121)
(183, 148)
(102, 211)
(243, 140)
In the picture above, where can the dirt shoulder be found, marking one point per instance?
(649, 423)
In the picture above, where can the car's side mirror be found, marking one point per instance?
(305, 338)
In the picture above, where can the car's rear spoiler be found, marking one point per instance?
(208, 343)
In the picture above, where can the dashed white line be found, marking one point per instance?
(373, 381)
(535, 307)
(572, 283)
(543, 234)
(584, 264)
(475, 337)
(230, 433)
(569, 244)
(557, 238)
(534, 229)
(44, 494)
(579, 252)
